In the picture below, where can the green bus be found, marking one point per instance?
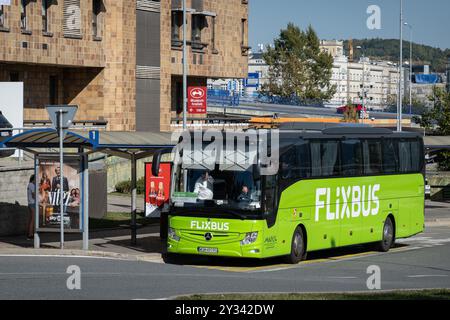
(334, 187)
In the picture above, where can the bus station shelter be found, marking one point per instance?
(132, 146)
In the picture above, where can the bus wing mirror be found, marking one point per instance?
(156, 162)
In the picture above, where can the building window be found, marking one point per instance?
(45, 7)
(53, 90)
(2, 16)
(213, 36)
(244, 45)
(197, 26)
(23, 14)
(97, 8)
(177, 22)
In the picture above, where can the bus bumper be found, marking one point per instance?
(232, 250)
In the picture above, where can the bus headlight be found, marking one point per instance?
(250, 237)
(173, 235)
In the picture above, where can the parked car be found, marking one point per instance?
(5, 133)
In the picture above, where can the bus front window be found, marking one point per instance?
(219, 188)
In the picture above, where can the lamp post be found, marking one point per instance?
(400, 69)
(363, 82)
(185, 71)
(410, 64)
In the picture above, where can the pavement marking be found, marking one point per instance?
(429, 276)
(59, 256)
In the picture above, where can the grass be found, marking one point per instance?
(438, 294)
(126, 195)
(116, 220)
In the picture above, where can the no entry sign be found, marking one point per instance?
(197, 100)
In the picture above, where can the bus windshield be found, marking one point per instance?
(226, 189)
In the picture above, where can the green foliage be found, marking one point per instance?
(351, 114)
(437, 120)
(417, 108)
(443, 160)
(125, 186)
(297, 66)
(388, 49)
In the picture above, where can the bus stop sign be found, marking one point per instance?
(68, 114)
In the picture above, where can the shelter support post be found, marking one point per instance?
(85, 202)
(133, 199)
(37, 242)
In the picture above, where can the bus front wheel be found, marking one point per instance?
(388, 236)
(298, 248)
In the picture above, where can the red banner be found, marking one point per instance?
(197, 100)
(157, 189)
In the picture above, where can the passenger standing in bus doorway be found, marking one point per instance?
(31, 195)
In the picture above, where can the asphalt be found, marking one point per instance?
(424, 263)
(264, 108)
(113, 269)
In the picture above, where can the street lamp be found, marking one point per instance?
(185, 71)
(410, 63)
(363, 81)
(400, 66)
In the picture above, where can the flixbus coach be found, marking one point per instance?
(334, 187)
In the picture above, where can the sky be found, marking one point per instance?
(344, 19)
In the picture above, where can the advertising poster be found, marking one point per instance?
(157, 189)
(49, 185)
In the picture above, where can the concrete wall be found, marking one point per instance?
(441, 180)
(13, 219)
(13, 200)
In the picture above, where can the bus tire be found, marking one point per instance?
(388, 236)
(298, 247)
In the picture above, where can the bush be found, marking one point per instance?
(125, 186)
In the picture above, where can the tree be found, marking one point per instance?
(297, 66)
(437, 120)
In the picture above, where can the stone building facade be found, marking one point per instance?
(119, 61)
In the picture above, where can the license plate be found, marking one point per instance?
(208, 250)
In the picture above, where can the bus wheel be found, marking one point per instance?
(298, 250)
(388, 236)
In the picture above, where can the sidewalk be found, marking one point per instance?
(116, 243)
(437, 213)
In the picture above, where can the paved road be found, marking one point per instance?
(300, 110)
(419, 262)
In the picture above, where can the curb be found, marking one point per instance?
(438, 223)
(155, 258)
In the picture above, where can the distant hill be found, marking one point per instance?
(388, 49)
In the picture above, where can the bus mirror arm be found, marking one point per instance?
(156, 162)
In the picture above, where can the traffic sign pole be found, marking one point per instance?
(61, 176)
(61, 117)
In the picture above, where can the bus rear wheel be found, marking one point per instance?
(388, 236)
(298, 248)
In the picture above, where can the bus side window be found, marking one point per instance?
(325, 158)
(372, 157)
(405, 156)
(295, 162)
(416, 156)
(352, 160)
(390, 157)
